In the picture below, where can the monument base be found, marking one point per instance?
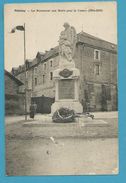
(73, 105)
(66, 79)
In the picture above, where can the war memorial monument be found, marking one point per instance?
(66, 77)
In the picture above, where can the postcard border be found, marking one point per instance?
(121, 5)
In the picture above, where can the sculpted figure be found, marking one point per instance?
(67, 42)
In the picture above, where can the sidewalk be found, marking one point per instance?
(47, 117)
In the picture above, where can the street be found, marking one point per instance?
(61, 149)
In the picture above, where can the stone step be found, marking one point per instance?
(82, 122)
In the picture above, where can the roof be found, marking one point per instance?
(96, 42)
(82, 37)
(34, 62)
(13, 78)
(50, 53)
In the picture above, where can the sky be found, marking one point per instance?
(44, 22)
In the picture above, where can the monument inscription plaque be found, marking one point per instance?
(66, 89)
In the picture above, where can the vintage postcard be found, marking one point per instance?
(61, 88)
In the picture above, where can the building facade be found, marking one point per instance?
(14, 99)
(97, 61)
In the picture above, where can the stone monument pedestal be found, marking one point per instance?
(67, 88)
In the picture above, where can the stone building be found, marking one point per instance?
(14, 98)
(97, 61)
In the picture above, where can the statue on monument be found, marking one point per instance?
(67, 42)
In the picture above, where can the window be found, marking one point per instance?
(106, 92)
(26, 74)
(90, 88)
(35, 70)
(51, 63)
(51, 75)
(27, 64)
(43, 79)
(35, 81)
(97, 54)
(26, 83)
(97, 69)
(45, 66)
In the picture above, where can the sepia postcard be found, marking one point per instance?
(61, 88)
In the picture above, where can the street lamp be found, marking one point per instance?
(22, 28)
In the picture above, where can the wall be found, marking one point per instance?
(11, 87)
(14, 104)
(14, 101)
(94, 89)
(46, 88)
(96, 99)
